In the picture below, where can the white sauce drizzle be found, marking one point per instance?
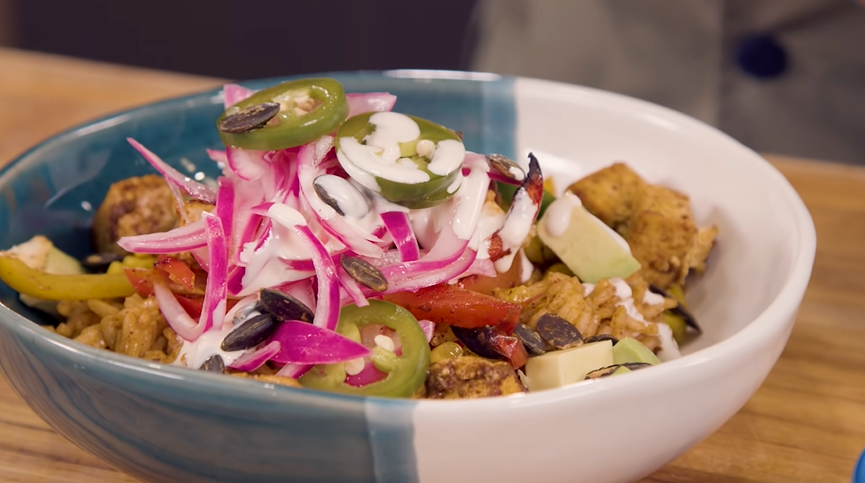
(517, 173)
(558, 217)
(669, 346)
(392, 128)
(193, 354)
(371, 160)
(526, 267)
(626, 300)
(471, 197)
(504, 264)
(448, 156)
(516, 228)
(269, 272)
(365, 179)
(424, 225)
(286, 215)
(558, 214)
(492, 219)
(458, 181)
(651, 298)
(623, 290)
(380, 156)
(263, 267)
(382, 205)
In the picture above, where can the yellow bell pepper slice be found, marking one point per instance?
(36, 283)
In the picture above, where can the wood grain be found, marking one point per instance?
(805, 424)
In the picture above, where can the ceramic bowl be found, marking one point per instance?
(169, 424)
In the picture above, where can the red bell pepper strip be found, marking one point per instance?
(457, 306)
(177, 271)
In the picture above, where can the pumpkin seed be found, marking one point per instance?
(636, 365)
(364, 273)
(506, 167)
(250, 333)
(530, 339)
(558, 332)
(603, 372)
(326, 197)
(341, 195)
(678, 309)
(283, 306)
(478, 340)
(249, 118)
(246, 312)
(602, 337)
(213, 364)
(609, 370)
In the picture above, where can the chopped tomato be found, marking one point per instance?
(177, 271)
(510, 347)
(496, 249)
(142, 280)
(192, 304)
(486, 285)
(457, 306)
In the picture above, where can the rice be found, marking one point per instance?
(614, 307)
(133, 327)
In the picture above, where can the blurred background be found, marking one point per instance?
(249, 39)
(781, 76)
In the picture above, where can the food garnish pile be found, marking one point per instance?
(350, 248)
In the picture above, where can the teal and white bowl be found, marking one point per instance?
(167, 424)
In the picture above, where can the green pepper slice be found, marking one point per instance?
(289, 128)
(48, 286)
(407, 372)
(410, 195)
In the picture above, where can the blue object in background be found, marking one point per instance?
(859, 469)
(761, 56)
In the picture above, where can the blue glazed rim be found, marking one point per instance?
(118, 363)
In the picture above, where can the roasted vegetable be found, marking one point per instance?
(49, 286)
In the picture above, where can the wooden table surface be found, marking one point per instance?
(805, 424)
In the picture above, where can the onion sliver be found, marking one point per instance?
(304, 343)
(397, 224)
(369, 102)
(251, 361)
(234, 93)
(182, 239)
(213, 307)
(171, 175)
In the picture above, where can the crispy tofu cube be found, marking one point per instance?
(609, 193)
(657, 222)
(661, 231)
